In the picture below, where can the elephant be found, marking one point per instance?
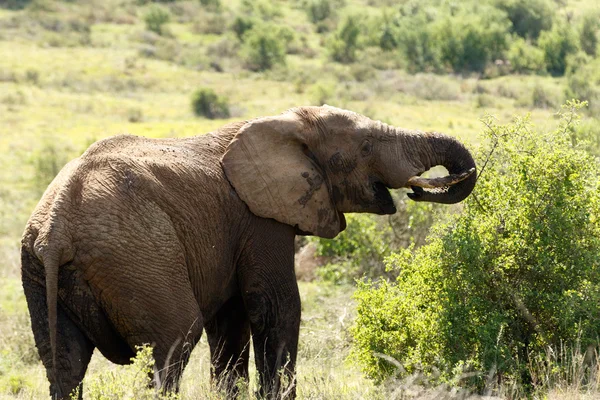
(153, 241)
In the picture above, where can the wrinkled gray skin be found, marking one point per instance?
(153, 240)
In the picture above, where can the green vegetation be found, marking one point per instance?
(529, 17)
(72, 72)
(360, 250)
(156, 17)
(263, 48)
(207, 103)
(344, 44)
(515, 275)
(133, 383)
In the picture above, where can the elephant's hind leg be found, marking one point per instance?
(229, 339)
(74, 348)
(172, 359)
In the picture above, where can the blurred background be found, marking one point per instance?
(73, 72)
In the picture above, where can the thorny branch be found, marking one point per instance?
(495, 136)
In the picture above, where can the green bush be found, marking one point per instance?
(528, 17)
(469, 42)
(435, 37)
(546, 96)
(263, 48)
(357, 251)
(210, 23)
(214, 5)
(264, 10)
(587, 135)
(557, 44)
(241, 25)
(206, 103)
(155, 18)
(344, 44)
(416, 42)
(387, 40)
(319, 10)
(588, 35)
(525, 58)
(583, 81)
(516, 274)
(15, 4)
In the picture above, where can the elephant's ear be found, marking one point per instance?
(275, 174)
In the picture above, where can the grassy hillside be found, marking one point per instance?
(72, 72)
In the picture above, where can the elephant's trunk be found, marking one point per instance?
(426, 150)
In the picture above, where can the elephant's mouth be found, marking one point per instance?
(383, 198)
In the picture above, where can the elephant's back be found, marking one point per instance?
(159, 202)
(128, 179)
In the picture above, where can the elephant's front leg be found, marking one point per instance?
(272, 301)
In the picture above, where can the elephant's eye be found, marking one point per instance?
(366, 148)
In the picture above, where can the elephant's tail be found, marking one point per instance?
(51, 264)
(53, 251)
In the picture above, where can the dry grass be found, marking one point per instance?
(324, 371)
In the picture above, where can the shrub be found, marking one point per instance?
(525, 58)
(319, 10)
(15, 4)
(387, 40)
(415, 39)
(206, 103)
(357, 251)
(135, 115)
(545, 96)
(515, 274)
(241, 25)
(155, 17)
(264, 10)
(557, 45)
(583, 81)
(344, 44)
(469, 42)
(214, 5)
(528, 17)
(263, 48)
(587, 135)
(210, 23)
(450, 37)
(484, 100)
(588, 35)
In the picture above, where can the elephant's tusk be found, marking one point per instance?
(444, 181)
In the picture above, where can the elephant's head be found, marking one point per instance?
(309, 165)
